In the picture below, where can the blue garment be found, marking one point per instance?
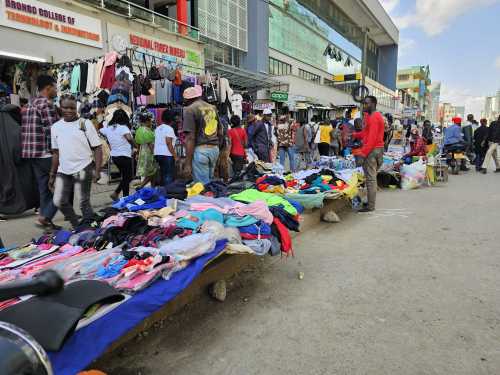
(453, 134)
(167, 168)
(208, 215)
(236, 221)
(204, 161)
(153, 199)
(298, 206)
(260, 227)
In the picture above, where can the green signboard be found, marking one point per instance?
(279, 96)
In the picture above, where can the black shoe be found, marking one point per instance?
(464, 169)
(497, 170)
(484, 171)
(366, 209)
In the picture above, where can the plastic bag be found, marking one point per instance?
(413, 175)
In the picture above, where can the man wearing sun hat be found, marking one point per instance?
(203, 136)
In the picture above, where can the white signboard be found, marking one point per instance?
(263, 106)
(40, 18)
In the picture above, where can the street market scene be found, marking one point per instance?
(249, 187)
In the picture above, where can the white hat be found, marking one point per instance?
(267, 111)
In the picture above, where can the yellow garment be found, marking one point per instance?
(352, 190)
(196, 189)
(325, 133)
(326, 178)
(430, 173)
(275, 189)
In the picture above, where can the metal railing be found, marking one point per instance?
(133, 11)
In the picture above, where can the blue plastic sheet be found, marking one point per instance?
(88, 343)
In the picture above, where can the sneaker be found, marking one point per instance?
(497, 170)
(366, 209)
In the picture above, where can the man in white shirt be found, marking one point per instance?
(74, 142)
(165, 147)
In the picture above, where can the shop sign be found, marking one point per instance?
(40, 18)
(122, 38)
(263, 105)
(279, 96)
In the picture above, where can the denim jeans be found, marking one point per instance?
(63, 191)
(41, 168)
(167, 168)
(282, 151)
(204, 162)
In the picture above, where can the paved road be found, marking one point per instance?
(411, 289)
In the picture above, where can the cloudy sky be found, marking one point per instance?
(459, 39)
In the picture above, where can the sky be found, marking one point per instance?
(458, 39)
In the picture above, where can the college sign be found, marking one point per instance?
(279, 96)
(40, 18)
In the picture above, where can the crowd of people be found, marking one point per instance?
(65, 150)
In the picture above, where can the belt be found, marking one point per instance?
(207, 146)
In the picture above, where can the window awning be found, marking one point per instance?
(242, 79)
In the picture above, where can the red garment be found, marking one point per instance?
(108, 77)
(238, 138)
(418, 148)
(249, 236)
(285, 239)
(373, 133)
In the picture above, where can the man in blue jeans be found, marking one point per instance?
(37, 121)
(203, 136)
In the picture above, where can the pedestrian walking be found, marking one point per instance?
(75, 147)
(285, 138)
(481, 143)
(164, 149)
(120, 140)
(145, 139)
(262, 137)
(335, 140)
(372, 150)
(325, 136)
(302, 145)
(37, 120)
(239, 143)
(203, 136)
(493, 141)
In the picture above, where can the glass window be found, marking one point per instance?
(309, 76)
(279, 68)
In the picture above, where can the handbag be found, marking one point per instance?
(154, 73)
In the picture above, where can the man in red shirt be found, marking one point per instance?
(372, 151)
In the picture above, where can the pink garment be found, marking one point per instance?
(257, 209)
(114, 221)
(206, 206)
(110, 58)
(63, 253)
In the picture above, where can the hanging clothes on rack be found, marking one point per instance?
(75, 79)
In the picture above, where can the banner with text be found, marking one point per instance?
(40, 18)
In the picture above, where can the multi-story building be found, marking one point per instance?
(447, 112)
(459, 111)
(415, 81)
(316, 51)
(492, 107)
(435, 90)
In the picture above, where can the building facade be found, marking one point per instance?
(316, 51)
(435, 91)
(415, 82)
(492, 107)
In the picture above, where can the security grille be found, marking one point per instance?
(224, 21)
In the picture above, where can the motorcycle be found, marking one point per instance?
(455, 158)
(21, 354)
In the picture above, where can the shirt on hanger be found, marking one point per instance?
(75, 79)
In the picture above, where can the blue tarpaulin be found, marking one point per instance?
(90, 342)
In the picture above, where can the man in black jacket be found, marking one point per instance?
(493, 141)
(481, 143)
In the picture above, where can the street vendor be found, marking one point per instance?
(417, 145)
(372, 151)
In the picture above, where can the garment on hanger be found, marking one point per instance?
(237, 105)
(99, 70)
(91, 77)
(75, 79)
(225, 91)
(84, 68)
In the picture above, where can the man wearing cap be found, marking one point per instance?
(262, 137)
(203, 136)
(454, 139)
